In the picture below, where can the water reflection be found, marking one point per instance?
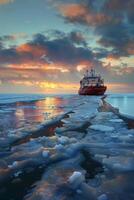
(124, 103)
(27, 115)
(50, 107)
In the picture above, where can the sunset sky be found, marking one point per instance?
(45, 45)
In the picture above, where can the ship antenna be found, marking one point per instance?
(92, 71)
(87, 72)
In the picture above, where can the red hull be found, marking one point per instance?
(92, 90)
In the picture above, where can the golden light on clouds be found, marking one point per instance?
(114, 61)
(49, 87)
(81, 67)
(119, 66)
(72, 10)
(33, 50)
(46, 67)
(25, 66)
(58, 86)
(54, 67)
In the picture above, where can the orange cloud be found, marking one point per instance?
(83, 65)
(25, 66)
(72, 10)
(6, 1)
(36, 51)
(54, 67)
(130, 48)
(44, 67)
(112, 57)
(80, 13)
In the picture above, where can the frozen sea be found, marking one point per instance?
(55, 147)
(26, 112)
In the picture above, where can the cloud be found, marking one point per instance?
(122, 7)
(60, 51)
(55, 56)
(78, 38)
(120, 37)
(111, 20)
(6, 1)
(83, 14)
(60, 58)
(13, 37)
(46, 58)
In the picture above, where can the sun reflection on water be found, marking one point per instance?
(26, 115)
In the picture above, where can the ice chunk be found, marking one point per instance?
(76, 179)
(79, 191)
(73, 140)
(101, 116)
(17, 173)
(100, 127)
(102, 197)
(45, 153)
(63, 140)
(119, 164)
(116, 120)
(14, 164)
(59, 147)
(65, 121)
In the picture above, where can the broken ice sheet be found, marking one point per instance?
(59, 156)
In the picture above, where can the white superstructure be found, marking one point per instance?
(91, 79)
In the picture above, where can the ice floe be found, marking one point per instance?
(63, 140)
(102, 197)
(100, 127)
(14, 164)
(76, 179)
(116, 120)
(59, 147)
(102, 134)
(45, 153)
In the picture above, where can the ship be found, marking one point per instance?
(92, 84)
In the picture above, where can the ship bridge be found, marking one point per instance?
(91, 79)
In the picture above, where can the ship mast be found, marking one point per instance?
(87, 73)
(92, 72)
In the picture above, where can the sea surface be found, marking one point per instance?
(20, 113)
(124, 102)
(56, 147)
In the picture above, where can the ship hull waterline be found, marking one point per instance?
(92, 90)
